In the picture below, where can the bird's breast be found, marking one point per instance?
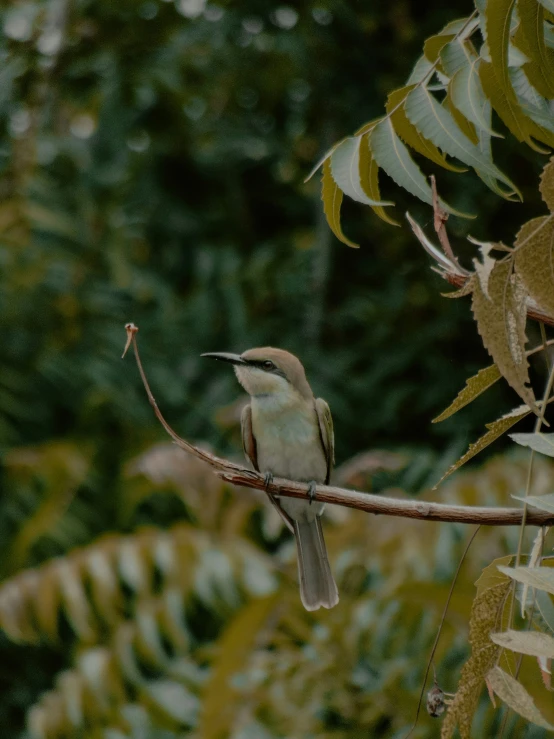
(288, 441)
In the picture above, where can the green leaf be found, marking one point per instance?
(433, 45)
(547, 185)
(547, 5)
(534, 260)
(394, 158)
(501, 321)
(542, 443)
(536, 577)
(515, 696)
(532, 643)
(505, 103)
(495, 431)
(331, 195)
(498, 17)
(369, 179)
(542, 502)
(541, 69)
(345, 168)
(323, 159)
(438, 125)
(421, 70)
(528, 96)
(474, 386)
(409, 133)
(546, 609)
(456, 55)
(467, 95)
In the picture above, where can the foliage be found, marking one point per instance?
(151, 159)
(131, 614)
(445, 109)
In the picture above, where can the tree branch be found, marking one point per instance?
(377, 504)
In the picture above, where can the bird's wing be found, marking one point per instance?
(251, 451)
(326, 433)
(248, 439)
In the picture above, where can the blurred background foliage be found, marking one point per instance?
(152, 158)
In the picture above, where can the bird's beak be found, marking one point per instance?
(225, 357)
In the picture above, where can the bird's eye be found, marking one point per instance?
(268, 365)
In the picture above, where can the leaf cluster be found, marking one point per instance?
(501, 59)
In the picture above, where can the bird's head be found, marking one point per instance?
(267, 371)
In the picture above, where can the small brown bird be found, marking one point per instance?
(288, 433)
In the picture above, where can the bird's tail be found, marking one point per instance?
(317, 585)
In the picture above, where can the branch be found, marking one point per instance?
(458, 276)
(377, 504)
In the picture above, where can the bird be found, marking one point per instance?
(287, 432)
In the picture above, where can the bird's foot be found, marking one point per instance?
(311, 490)
(268, 480)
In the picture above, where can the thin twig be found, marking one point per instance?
(440, 216)
(377, 504)
(459, 278)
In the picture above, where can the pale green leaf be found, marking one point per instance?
(345, 168)
(323, 159)
(495, 431)
(504, 103)
(172, 700)
(394, 158)
(369, 179)
(528, 97)
(410, 134)
(439, 126)
(547, 5)
(542, 443)
(534, 561)
(455, 55)
(468, 96)
(532, 643)
(542, 502)
(515, 696)
(546, 609)
(534, 260)
(501, 324)
(331, 195)
(536, 577)
(474, 386)
(420, 71)
(547, 185)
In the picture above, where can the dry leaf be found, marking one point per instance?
(484, 616)
(484, 267)
(547, 185)
(501, 324)
(516, 697)
(534, 260)
(526, 642)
